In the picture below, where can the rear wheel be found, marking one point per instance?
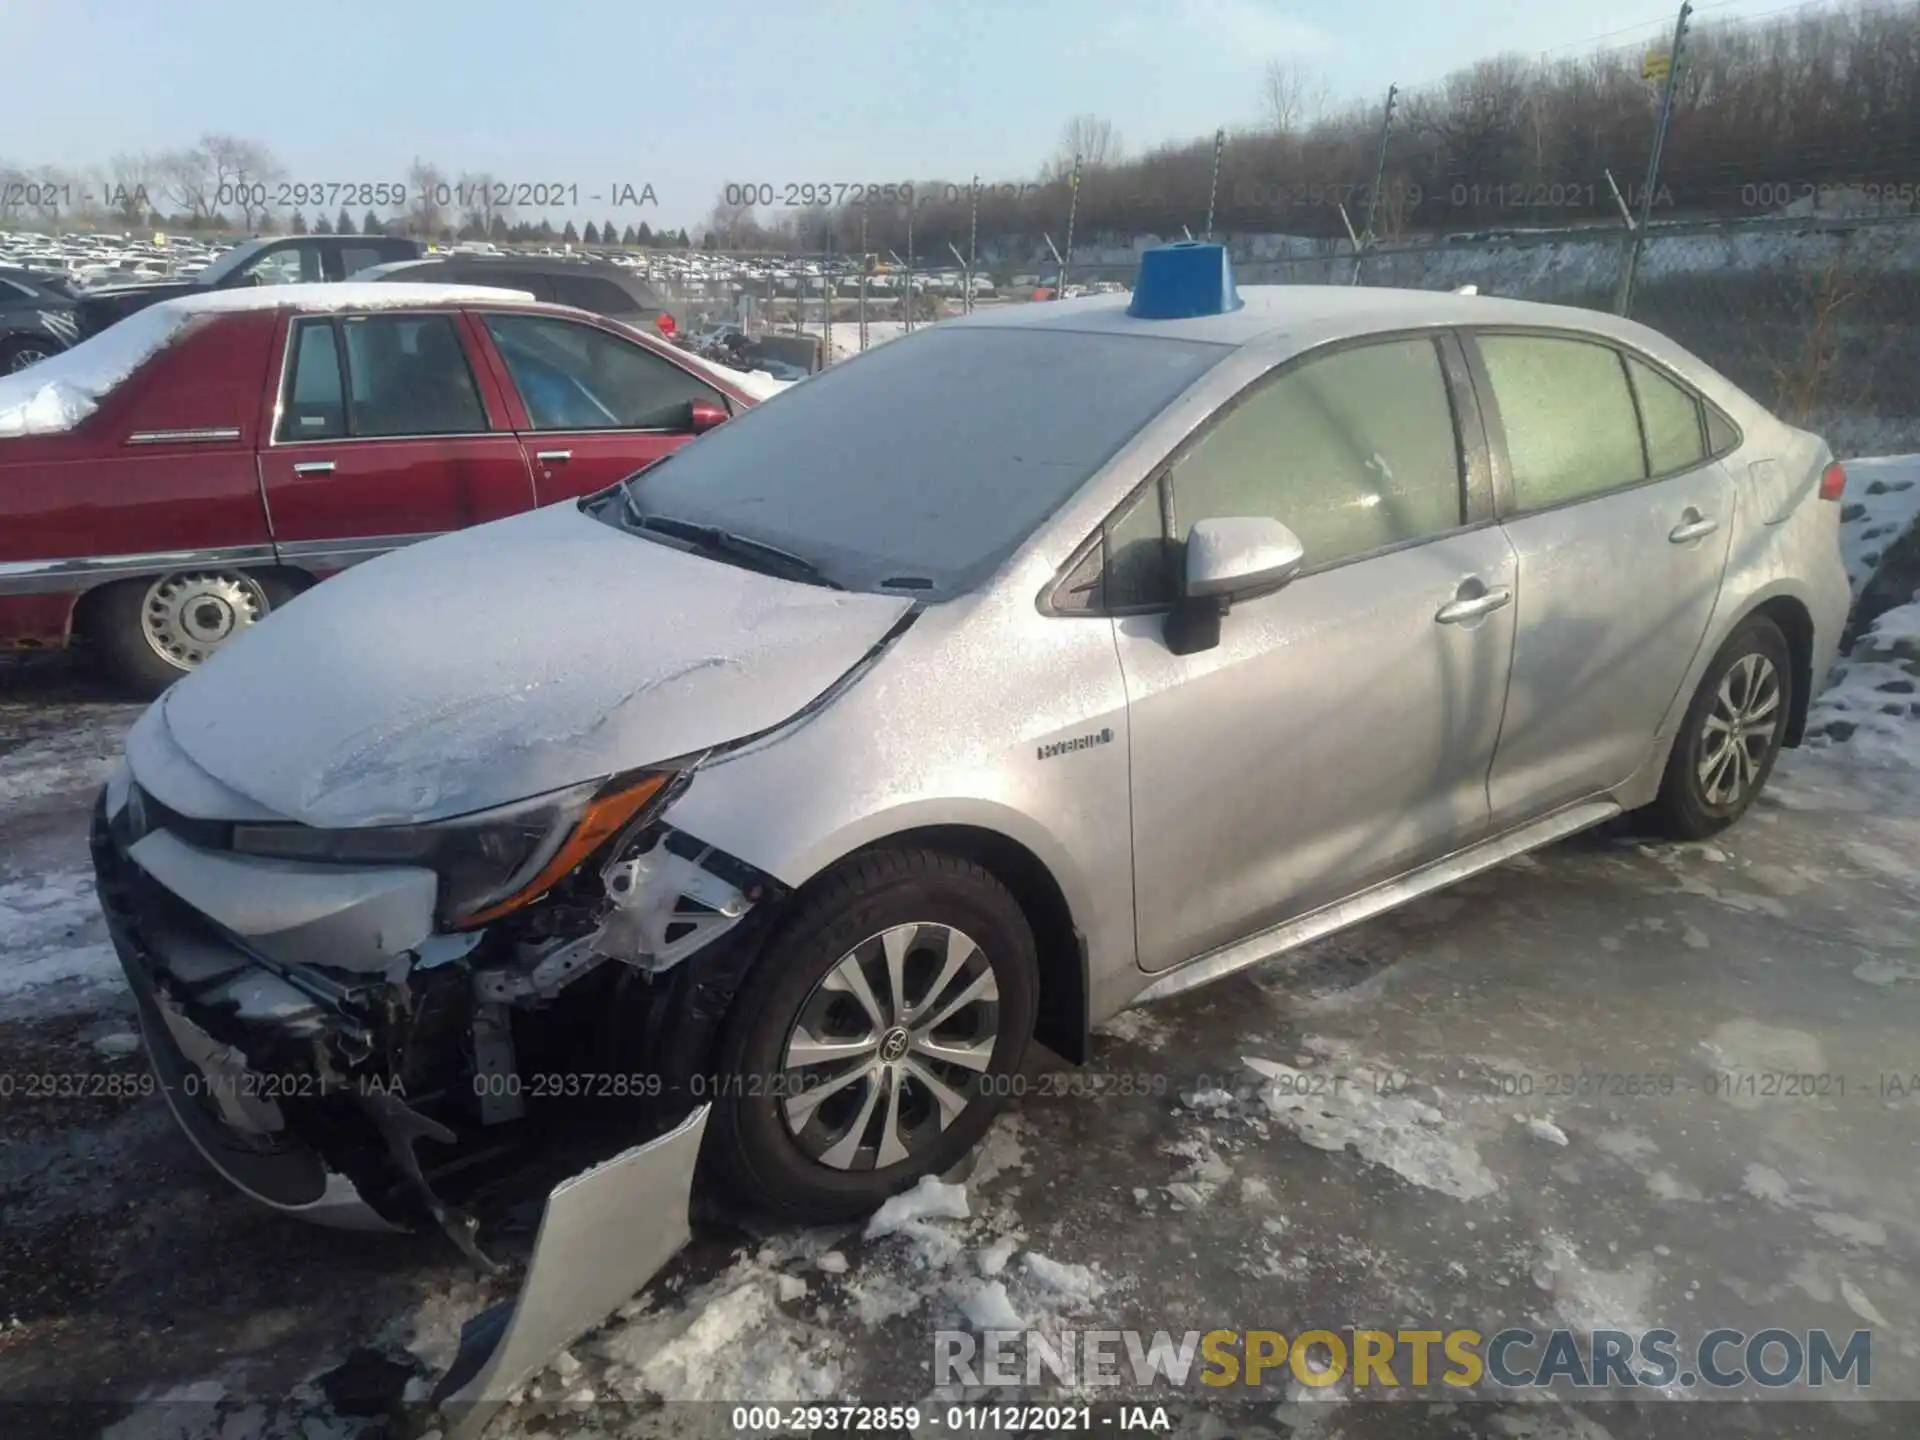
(876, 1041)
(153, 630)
(1730, 737)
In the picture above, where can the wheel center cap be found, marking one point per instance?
(893, 1044)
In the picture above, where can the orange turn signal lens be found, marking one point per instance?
(604, 818)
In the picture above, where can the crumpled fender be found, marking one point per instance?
(604, 1234)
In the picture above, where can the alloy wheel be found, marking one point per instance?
(887, 1050)
(1737, 733)
(26, 355)
(187, 616)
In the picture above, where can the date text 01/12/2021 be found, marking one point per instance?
(461, 194)
(809, 1419)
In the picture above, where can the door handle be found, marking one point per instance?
(1474, 608)
(1692, 529)
(553, 457)
(314, 467)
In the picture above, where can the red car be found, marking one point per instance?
(174, 478)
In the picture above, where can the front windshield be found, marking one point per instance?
(228, 263)
(930, 461)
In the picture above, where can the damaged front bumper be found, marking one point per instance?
(442, 1081)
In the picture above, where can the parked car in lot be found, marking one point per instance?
(36, 318)
(1042, 661)
(274, 260)
(167, 483)
(594, 285)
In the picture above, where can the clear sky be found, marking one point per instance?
(692, 94)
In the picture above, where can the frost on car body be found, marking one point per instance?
(925, 728)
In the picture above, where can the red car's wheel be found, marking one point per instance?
(153, 630)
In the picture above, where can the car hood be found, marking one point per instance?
(506, 661)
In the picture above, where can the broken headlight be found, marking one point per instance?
(490, 864)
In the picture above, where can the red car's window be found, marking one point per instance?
(576, 377)
(405, 375)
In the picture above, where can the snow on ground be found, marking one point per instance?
(784, 1321)
(846, 334)
(1872, 706)
(1361, 1108)
(54, 954)
(1882, 501)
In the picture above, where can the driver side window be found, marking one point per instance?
(1355, 451)
(577, 377)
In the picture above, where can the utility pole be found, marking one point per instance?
(973, 240)
(1213, 188)
(1073, 204)
(1624, 301)
(863, 278)
(1379, 179)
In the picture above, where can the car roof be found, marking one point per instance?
(1312, 314)
(340, 295)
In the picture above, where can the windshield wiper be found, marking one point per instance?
(711, 538)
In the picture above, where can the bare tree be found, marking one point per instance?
(1293, 96)
(477, 193)
(132, 183)
(243, 174)
(1090, 138)
(426, 213)
(187, 181)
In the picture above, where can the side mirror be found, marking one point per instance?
(1240, 556)
(705, 415)
(1228, 559)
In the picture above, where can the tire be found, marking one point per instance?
(807, 1169)
(1754, 668)
(24, 350)
(134, 651)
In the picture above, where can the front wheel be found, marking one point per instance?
(153, 630)
(1730, 737)
(877, 1039)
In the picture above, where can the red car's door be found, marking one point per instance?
(388, 429)
(592, 405)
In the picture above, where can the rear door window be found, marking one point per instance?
(575, 377)
(314, 407)
(1571, 427)
(1670, 417)
(405, 375)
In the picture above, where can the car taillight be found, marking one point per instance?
(665, 322)
(1833, 481)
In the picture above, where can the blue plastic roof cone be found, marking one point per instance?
(1183, 280)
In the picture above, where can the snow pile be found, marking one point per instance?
(846, 334)
(757, 383)
(53, 950)
(1360, 1110)
(63, 390)
(1882, 501)
(1873, 702)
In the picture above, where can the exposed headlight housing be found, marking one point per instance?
(491, 863)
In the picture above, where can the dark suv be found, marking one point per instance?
(592, 285)
(36, 317)
(268, 260)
